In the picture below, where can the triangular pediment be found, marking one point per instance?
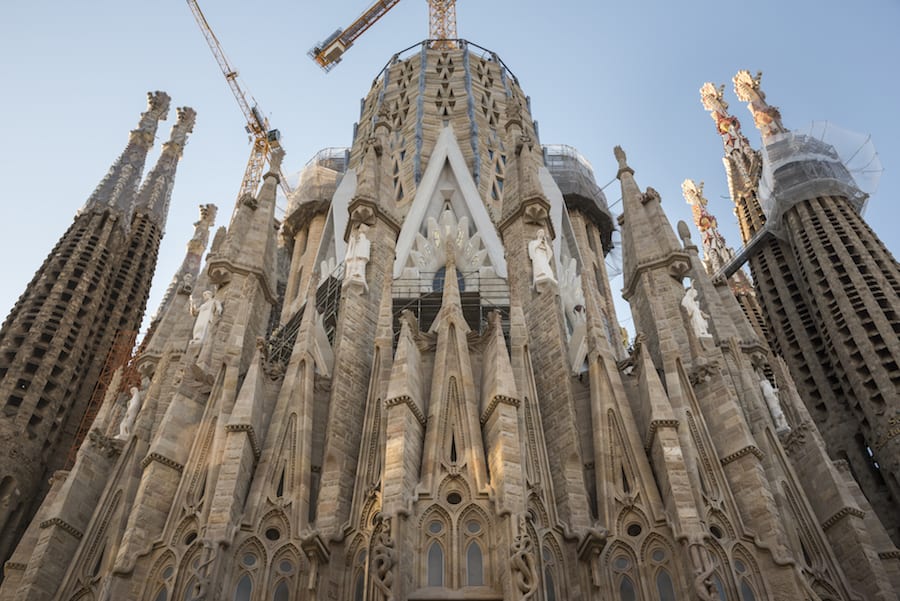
(447, 185)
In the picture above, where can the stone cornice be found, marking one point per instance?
(677, 263)
(748, 450)
(893, 554)
(304, 213)
(151, 457)
(498, 398)
(405, 399)
(841, 514)
(251, 435)
(655, 425)
(535, 210)
(64, 526)
(217, 263)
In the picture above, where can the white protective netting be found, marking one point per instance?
(822, 160)
(320, 177)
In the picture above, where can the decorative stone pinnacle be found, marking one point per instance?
(712, 97)
(767, 118)
(623, 162)
(158, 104)
(276, 155)
(685, 234)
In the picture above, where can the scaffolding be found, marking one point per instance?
(118, 357)
(320, 177)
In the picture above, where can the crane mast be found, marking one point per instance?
(441, 20)
(263, 138)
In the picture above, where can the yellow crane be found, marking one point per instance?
(441, 20)
(263, 138)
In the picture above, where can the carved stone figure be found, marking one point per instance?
(695, 314)
(524, 570)
(540, 251)
(206, 314)
(383, 561)
(770, 394)
(358, 252)
(134, 405)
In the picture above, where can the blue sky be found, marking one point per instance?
(75, 75)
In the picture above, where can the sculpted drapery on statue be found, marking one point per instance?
(207, 313)
(134, 405)
(697, 317)
(358, 252)
(540, 251)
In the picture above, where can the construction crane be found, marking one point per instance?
(263, 138)
(442, 30)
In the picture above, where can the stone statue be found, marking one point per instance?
(134, 405)
(206, 314)
(770, 394)
(358, 252)
(541, 253)
(696, 315)
(383, 561)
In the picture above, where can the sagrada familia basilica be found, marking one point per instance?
(415, 386)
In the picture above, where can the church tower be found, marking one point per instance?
(51, 344)
(415, 388)
(828, 287)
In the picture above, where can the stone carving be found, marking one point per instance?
(134, 405)
(358, 252)
(522, 562)
(697, 316)
(767, 118)
(383, 560)
(770, 394)
(187, 283)
(540, 251)
(572, 296)
(207, 313)
(430, 252)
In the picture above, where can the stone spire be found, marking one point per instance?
(767, 118)
(651, 236)
(156, 191)
(119, 186)
(742, 162)
(190, 266)
(715, 251)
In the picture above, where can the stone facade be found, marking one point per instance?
(92, 287)
(417, 389)
(829, 291)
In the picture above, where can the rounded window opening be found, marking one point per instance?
(273, 534)
(435, 527)
(473, 527)
(634, 530)
(454, 498)
(249, 559)
(286, 567)
(716, 531)
(658, 555)
(621, 563)
(191, 537)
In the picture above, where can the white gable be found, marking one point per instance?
(447, 180)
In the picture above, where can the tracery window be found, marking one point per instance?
(549, 569)
(665, 588)
(435, 564)
(623, 578)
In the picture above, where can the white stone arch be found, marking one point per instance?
(723, 568)
(626, 519)
(250, 559)
(181, 536)
(552, 561)
(161, 577)
(622, 568)
(286, 566)
(459, 485)
(657, 556)
(275, 521)
(430, 536)
(467, 536)
(740, 556)
(186, 572)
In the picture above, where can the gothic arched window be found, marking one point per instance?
(281, 592)
(435, 565)
(474, 565)
(549, 581)
(244, 588)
